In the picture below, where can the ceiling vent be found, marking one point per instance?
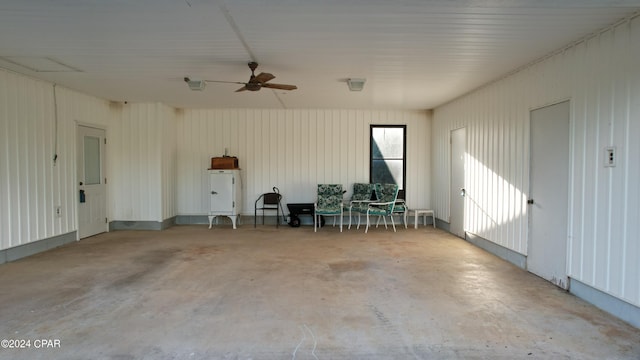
(356, 84)
(196, 85)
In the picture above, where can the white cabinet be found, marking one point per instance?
(225, 195)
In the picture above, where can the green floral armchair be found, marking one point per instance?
(360, 199)
(401, 209)
(328, 203)
(387, 195)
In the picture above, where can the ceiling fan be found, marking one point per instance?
(255, 83)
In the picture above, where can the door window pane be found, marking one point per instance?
(91, 160)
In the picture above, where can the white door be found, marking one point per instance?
(221, 187)
(548, 193)
(457, 196)
(92, 206)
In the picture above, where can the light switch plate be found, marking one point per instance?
(610, 156)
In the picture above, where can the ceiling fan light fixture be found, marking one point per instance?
(356, 84)
(196, 85)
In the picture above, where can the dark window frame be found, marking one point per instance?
(404, 153)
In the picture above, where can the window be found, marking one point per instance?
(387, 154)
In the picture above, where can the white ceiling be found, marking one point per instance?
(415, 54)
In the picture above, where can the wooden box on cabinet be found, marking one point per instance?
(225, 195)
(225, 162)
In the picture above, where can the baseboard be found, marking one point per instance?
(35, 247)
(502, 252)
(142, 225)
(271, 220)
(611, 304)
(167, 223)
(244, 220)
(192, 220)
(443, 225)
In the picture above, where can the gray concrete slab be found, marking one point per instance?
(289, 293)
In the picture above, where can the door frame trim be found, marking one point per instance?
(104, 128)
(451, 175)
(570, 179)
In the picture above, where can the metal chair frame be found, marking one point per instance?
(270, 201)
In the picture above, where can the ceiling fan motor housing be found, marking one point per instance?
(255, 83)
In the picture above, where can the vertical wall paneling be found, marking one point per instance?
(618, 115)
(169, 151)
(5, 209)
(601, 78)
(294, 150)
(145, 163)
(32, 185)
(631, 154)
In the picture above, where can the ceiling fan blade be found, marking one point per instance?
(242, 88)
(264, 77)
(280, 86)
(226, 82)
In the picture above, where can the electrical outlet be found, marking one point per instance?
(58, 211)
(610, 156)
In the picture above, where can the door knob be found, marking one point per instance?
(213, 193)
(463, 192)
(530, 201)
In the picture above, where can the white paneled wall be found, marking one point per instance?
(294, 150)
(169, 151)
(496, 180)
(134, 145)
(31, 184)
(143, 147)
(27, 138)
(601, 78)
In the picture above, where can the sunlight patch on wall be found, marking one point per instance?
(492, 200)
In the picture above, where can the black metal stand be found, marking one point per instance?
(295, 210)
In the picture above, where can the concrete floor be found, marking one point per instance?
(289, 293)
